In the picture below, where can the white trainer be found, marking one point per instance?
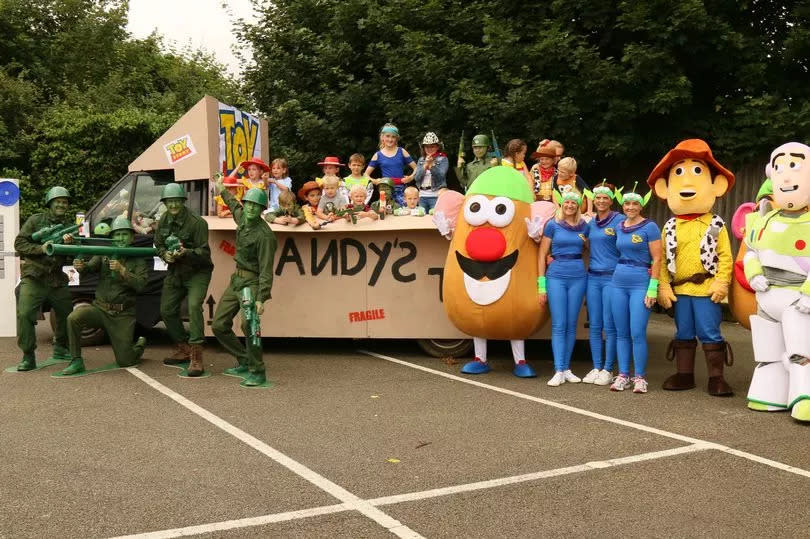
(571, 377)
(619, 383)
(639, 385)
(557, 379)
(591, 377)
(603, 378)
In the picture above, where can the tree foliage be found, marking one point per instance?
(80, 99)
(619, 82)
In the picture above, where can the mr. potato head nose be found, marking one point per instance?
(485, 244)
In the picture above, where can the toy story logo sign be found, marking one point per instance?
(179, 149)
(239, 137)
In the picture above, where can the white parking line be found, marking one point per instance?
(638, 426)
(414, 496)
(350, 500)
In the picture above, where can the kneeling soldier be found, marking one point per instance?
(255, 248)
(114, 307)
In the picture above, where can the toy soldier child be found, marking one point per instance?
(255, 248)
(468, 172)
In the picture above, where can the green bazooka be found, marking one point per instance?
(54, 233)
(123, 274)
(251, 317)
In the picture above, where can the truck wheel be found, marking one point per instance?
(90, 337)
(446, 347)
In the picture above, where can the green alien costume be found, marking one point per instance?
(255, 249)
(42, 278)
(113, 309)
(468, 172)
(188, 277)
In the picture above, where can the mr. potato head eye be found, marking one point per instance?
(498, 212)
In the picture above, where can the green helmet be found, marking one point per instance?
(56, 192)
(259, 196)
(480, 140)
(387, 181)
(102, 229)
(121, 223)
(173, 190)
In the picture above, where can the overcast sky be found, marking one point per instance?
(204, 24)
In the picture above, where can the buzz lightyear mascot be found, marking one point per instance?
(777, 266)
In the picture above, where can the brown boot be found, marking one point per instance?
(195, 368)
(717, 356)
(181, 354)
(683, 352)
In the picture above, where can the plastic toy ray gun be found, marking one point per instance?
(53, 233)
(351, 210)
(251, 317)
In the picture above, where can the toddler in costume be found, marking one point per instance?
(331, 200)
(287, 213)
(412, 206)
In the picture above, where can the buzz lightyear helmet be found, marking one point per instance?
(602, 189)
(632, 196)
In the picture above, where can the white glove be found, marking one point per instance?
(760, 283)
(443, 224)
(535, 227)
(803, 305)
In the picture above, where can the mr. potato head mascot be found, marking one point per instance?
(490, 275)
(697, 271)
(777, 266)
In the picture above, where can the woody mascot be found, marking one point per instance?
(698, 262)
(777, 266)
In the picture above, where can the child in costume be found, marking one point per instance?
(331, 200)
(278, 182)
(562, 283)
(468, 172)
(513, 157)
(698, 263)
(287, 213)
(356, 164)
(412, 206)
(567, 178)
(357, 205)
(310, 196)
(777, 266)
(431, 171)
(386, 189)
(236, 189)
(391, 159)
(113, 308)
(330, 167)
(543, 172)
(43, 279)
(603, 259)
(254, 173)
(634, 288)
(255, 248)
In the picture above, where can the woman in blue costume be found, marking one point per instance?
(603, 259)
(563, 283)
(633, 290)
(392, 159)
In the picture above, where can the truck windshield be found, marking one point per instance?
(148, 208)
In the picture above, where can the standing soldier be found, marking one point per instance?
(114, 306)
(467, 173)
(255, 248)
(189, 273)
(43, 278)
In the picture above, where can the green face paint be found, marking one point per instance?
(122, 238)
(252, 211)
(174, 205)
(59, 206)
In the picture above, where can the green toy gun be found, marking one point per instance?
(461, 153)
(53, 233)
(251, 317)
(498, 155)
(78, 251)
(351, 210)
(173, 244)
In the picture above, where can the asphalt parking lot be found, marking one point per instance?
(372, 438)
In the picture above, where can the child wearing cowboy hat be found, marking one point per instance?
(330, 167)
(431, 171)
(257, 171)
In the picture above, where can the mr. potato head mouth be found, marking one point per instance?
(497, 272)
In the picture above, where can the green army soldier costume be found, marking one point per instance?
(188, 277)
(255, 248)
(468, 172)
(43, 278)
(113, 309)
(386, 186)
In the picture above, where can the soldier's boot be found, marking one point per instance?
(27, 363)
(60, 353)
(717, 356)
(255, 379)
(195, 368)
(181, 354)
(683, 352)
(76, 366)
(240, 370)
